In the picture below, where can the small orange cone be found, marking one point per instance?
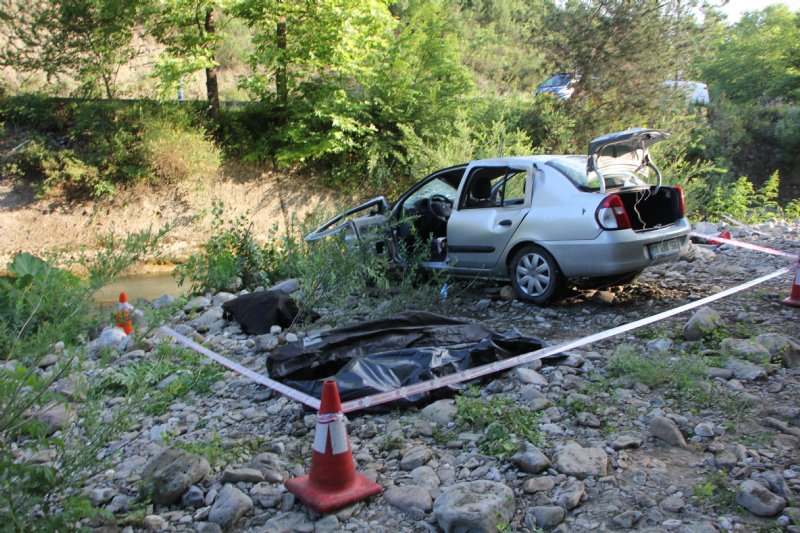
(794, 298)
(123, 314)
(332, 482)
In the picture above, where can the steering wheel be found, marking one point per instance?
(440, 207)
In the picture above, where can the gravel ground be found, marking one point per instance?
(613, 453)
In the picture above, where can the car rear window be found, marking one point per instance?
(574, 168)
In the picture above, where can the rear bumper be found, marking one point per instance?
(617, 252)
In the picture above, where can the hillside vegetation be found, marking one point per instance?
(371, 95)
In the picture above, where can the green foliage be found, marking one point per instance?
(717, 492)
(193, 373)
(218, 452)
(505, 426)
(230, 253)
(90, 39)
(89, 148)
(757, 57)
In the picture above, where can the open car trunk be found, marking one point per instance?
(648, 210)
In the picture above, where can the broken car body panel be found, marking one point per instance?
(538, 220)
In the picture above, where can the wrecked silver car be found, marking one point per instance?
(536, 220)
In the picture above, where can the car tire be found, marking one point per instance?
(535, 275)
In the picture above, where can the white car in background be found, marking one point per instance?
(696, 91)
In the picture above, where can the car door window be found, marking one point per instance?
(489, 187)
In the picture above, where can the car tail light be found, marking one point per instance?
(611, 214)
(681, 201)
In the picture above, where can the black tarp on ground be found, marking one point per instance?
(257, 312)
(390, 352)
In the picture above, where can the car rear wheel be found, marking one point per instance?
(535, 275)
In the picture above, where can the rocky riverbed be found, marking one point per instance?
(711, 443)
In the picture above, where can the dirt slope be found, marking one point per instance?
(266, 196)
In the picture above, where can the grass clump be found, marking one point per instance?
(505, 425)
(684, 377)
(218, 452)
(191, 371)
(717, 492)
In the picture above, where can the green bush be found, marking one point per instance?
(84, 148)
(229, 260)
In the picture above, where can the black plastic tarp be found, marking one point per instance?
(257, 312)
(390, 352)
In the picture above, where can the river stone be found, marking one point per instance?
(266, 495)
(627, 519)
(411, 499)
(569, 494)
(575, 460)
(110, 337)
(48, 360)
(231, 504)
(206, 319)
(745, 370)
(547, 516)
(666, 430)
(538, 484)
(266, 342)
(474, 506)
(98, 497)
(530, 459)
(270, 467)
(745, 349)
(154, 522)
(171, 472)
(415, 457)
(207, 527)
(237, 475)
(702, 323)
(284, 523)
(425, 475)
(783, 348)
(672, 504)
(757, 499)
(163, 302)
(198, 302)
(54, 416)
(193, 497)
(530, 377)
(328, 524)
(624, 442)
(222, 297)
(442, 412)
(288, 286)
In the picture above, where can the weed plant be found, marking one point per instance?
(505, 425)
(339, 276)
(41, 305)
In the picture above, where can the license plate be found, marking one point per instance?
(665, 248)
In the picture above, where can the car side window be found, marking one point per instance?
(494, 187)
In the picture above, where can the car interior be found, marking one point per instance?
(426, 211)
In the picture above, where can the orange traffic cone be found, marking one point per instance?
(123, 314)
(794, 298)
(723, 235)
(332, 482)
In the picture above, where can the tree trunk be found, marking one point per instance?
(212, 88)
(281, 81)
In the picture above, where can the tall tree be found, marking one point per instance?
(758, 56)
(87, 39)
(189, 31)
(623, 52)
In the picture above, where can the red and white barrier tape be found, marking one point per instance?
(261, 379)
(742, 244)
(472, 373)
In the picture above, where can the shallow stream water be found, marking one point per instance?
(147, 286)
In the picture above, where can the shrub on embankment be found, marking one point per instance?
(79, 148)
